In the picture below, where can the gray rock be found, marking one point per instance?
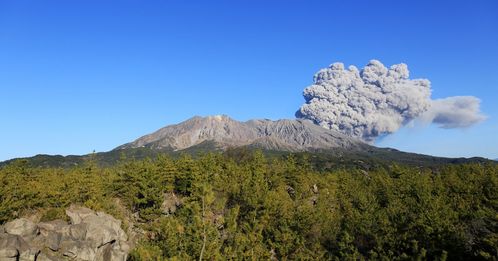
(104, 252)
(46, 257)
(54, 225)
(77, 214)
(29, 254)
(170, 203)
(8, 254)
(110, 252)
(12, 241)
(53, 240)
(117, 255)
(78, 249)
(99, 235)
(91, 235)
(78, 232)
(21, 227)
(114, 224)
(13, 247)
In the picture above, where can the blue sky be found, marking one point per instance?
(77, 76)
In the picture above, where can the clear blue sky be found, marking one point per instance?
(77, 76)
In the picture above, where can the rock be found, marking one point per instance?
(8, 254)
(102, 229)
(104, 252)
(314, 189)
(13, 247)
(114, 224)
(21, 227)
(12, 241)
(78, 249)
(99, 235)
(170, 203)
(29, 254)
(44, 257)
(54, 225)
(77, 214)
(90, 236)
(110, 252)
(53, 240)
(78, 232)
(118, 255)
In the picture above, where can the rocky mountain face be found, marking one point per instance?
(224, 132)
(89, 236)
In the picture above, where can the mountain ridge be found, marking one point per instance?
(284, 135)
(222, 134)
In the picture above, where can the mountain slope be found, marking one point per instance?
(326, 149)
(224, 132)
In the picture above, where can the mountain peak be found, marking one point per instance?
(219, 117)
(225, 132)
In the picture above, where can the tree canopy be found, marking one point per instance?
(259, 207)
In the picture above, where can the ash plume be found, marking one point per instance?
(376, 100)
(454, 112)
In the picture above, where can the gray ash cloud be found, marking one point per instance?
(376, 100)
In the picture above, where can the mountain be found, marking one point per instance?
(326, 149)
(225, 132)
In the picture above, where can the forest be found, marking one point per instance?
(258, 207)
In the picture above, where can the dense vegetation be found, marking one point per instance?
(255, 207)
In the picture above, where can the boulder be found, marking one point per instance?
(21, 227)
(52, 240)
(13, 247)
(99, 235)
(16, 242)
(54, 225)
(114, 224)
(77, 214)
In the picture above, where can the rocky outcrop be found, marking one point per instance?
(88, 236)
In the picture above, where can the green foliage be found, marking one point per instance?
(254, 207)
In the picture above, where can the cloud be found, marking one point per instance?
(455, 112)
(376, 100)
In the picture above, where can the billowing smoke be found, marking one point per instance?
(376, 101)
(454, 112)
